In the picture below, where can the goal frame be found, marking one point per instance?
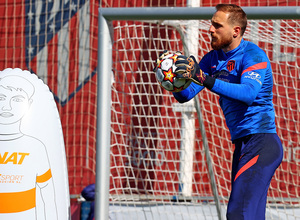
(106, 16)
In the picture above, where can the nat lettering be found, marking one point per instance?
(15, 158)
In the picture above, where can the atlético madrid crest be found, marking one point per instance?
(230, 65)
(57, 43)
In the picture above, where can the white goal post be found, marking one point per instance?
(104, 82)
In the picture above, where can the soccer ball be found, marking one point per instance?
(167, 78)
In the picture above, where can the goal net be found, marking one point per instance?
(159, 165)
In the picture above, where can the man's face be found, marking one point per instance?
(221, 31)
(13, 105)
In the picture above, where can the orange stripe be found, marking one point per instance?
(246, 166)
(257, 66)
(45, 177)
(17, 201)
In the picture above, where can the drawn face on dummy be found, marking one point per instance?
(15, 98)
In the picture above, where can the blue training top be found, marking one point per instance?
(244, 83)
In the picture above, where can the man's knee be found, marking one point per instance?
(234, 213)
(238, 213)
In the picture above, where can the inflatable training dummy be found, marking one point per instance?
(33, 170)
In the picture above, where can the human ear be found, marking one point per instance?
(236, 31)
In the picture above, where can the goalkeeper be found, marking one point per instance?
(240, 73)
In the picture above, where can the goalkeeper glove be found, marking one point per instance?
(187, 67)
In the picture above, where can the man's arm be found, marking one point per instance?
(246, 91)
(189, 93)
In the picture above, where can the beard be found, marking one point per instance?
(220, 43)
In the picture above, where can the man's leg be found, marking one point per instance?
(254, 163)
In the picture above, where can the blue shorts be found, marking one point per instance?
(255, 159)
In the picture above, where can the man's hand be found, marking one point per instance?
(187, 67)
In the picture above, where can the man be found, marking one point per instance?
(240, 73)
